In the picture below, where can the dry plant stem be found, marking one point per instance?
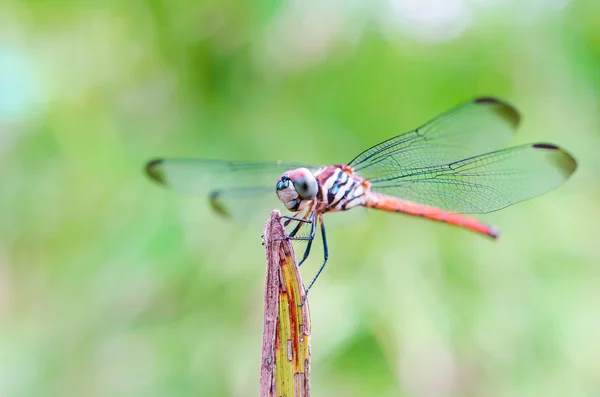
(285, 366)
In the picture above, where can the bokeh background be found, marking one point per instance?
(113, 286)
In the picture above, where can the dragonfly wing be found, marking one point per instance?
(484, 183)
(239, 202)
(479, 126)
(230, 187)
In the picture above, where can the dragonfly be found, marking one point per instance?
(452, 166)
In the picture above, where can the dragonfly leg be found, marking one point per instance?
(301, 222)
(298, 227)
(311, 221)
(308, 218)
(289, 219)
(306, 252)
(313, 230)
(325, 257)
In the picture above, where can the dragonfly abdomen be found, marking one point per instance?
(394, 204)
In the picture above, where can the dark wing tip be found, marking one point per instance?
(153, 170)
(486, 99)
(217, 205)
(545, 146)
(506, 111)
(564, 161)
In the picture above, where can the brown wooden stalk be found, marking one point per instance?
(285, 366)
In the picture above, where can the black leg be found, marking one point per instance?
(301, 222)
(296, 229)
(311, 220)
(306, 252)
(313, 230)
(325, 255)
(293, 218)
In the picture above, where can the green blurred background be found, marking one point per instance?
(112, 286)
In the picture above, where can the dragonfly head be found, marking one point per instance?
(296, 188)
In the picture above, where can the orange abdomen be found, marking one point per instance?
(393, 204)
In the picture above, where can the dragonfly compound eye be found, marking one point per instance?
(305, 183)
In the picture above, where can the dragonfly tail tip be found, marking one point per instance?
(494, 232)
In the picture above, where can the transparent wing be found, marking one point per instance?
(479, 126)
(484, 183)
(232, 188)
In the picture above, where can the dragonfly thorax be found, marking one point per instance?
(297, 188)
